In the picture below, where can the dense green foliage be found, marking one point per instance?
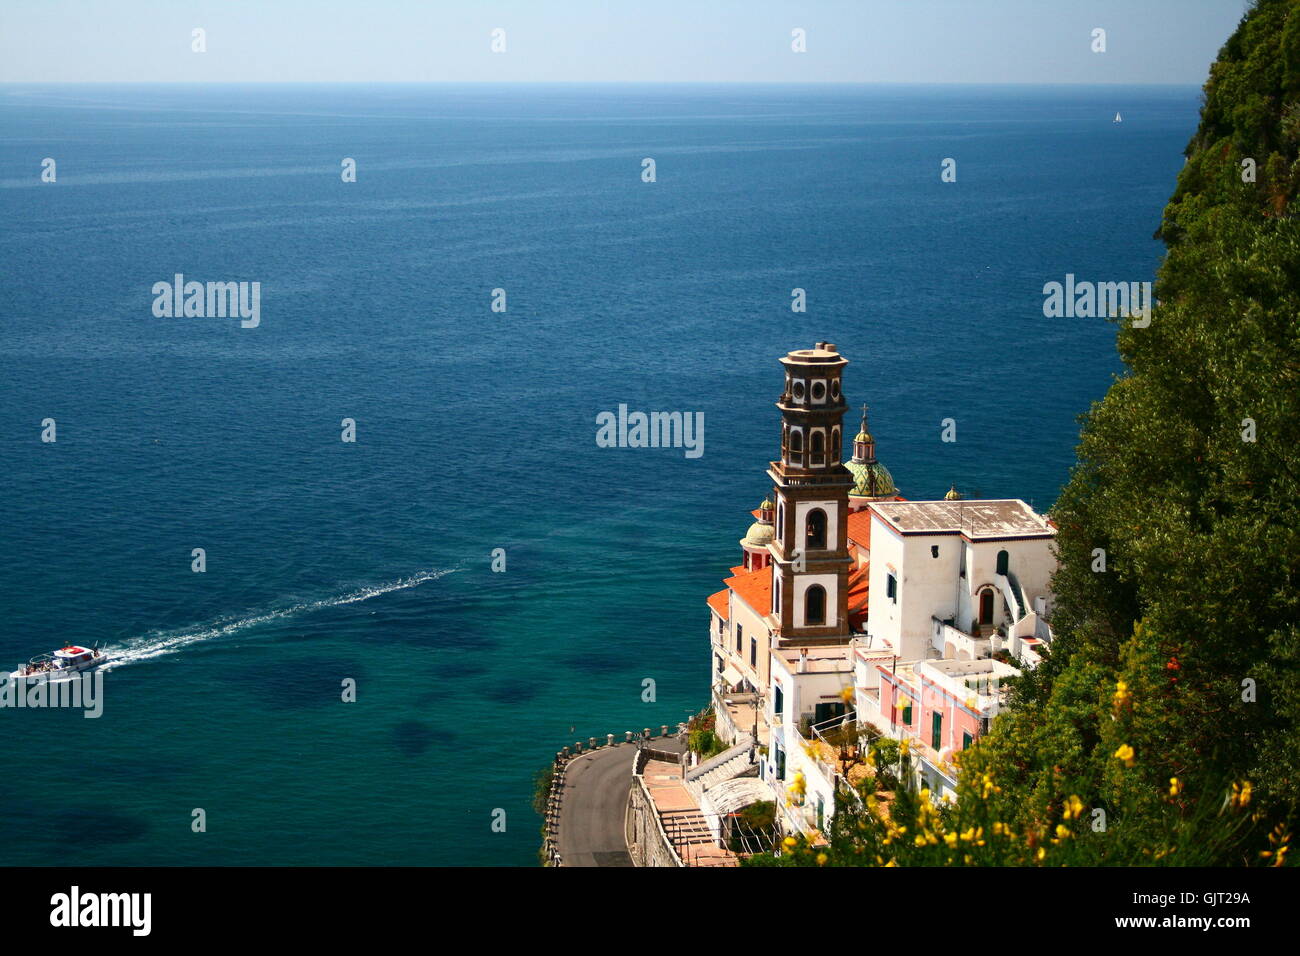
(1183, 656)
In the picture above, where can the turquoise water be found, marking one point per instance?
(476, 429)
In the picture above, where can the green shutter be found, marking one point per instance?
(937, 732)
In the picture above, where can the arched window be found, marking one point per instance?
(814, 605)
(818, 449)
(816, 530)
(796, 447)
(1002, 562)
(836, 447)
(780, 520)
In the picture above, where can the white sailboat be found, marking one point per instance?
(1118, 118)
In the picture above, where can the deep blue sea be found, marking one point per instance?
(476, 429)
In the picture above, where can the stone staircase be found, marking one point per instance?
(732, 762)
(734, 767)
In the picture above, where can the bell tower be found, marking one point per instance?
(810, 558)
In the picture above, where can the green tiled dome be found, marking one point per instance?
(863, 472)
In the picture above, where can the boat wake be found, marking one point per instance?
(157, 643)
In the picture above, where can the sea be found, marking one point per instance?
(369, 564)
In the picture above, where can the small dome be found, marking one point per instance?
(760, 535)
(863, 435)
(870, 480)
(766, 505)
(953, 494)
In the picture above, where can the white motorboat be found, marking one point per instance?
(62, 664)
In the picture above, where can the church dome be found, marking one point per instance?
(760, 535)
(871, 479)
(953, 494)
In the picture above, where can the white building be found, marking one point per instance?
(960, 579)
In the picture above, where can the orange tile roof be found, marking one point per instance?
(754, 588)
(719, 603)
(859, 589)
(860, 527)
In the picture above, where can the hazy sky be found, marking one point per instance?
(936, 41)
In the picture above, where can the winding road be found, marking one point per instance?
(594, 804)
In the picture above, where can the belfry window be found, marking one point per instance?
(817, 447)
(814, 605)
(816, 530)
(796, 447)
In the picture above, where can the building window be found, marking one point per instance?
(814, 605)
(776, 593)
(817, 445)
(780, 520)
(753, 652)
(934, 550)
(907, 713)
(816, 530)
(778, 701)
(986, 606)
(936, 731)
(891, 587)
(796, 447)
(819, 391)
(780, 763)
(740, 638)
(966, 740)
(1003, 558)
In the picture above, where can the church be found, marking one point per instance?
(853, 605)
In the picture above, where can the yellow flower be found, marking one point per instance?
(1175, 786)
(1239, 798)
(821, 859)
(1122, 696)
(790, 843)
(846, 695)
(892, 863)
(1125, 753)
(950, 839)
(1062, 831)
(1042, 852)
(1073, 807)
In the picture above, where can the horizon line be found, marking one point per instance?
(1017, 83)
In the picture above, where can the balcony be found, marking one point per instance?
(839, 748)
